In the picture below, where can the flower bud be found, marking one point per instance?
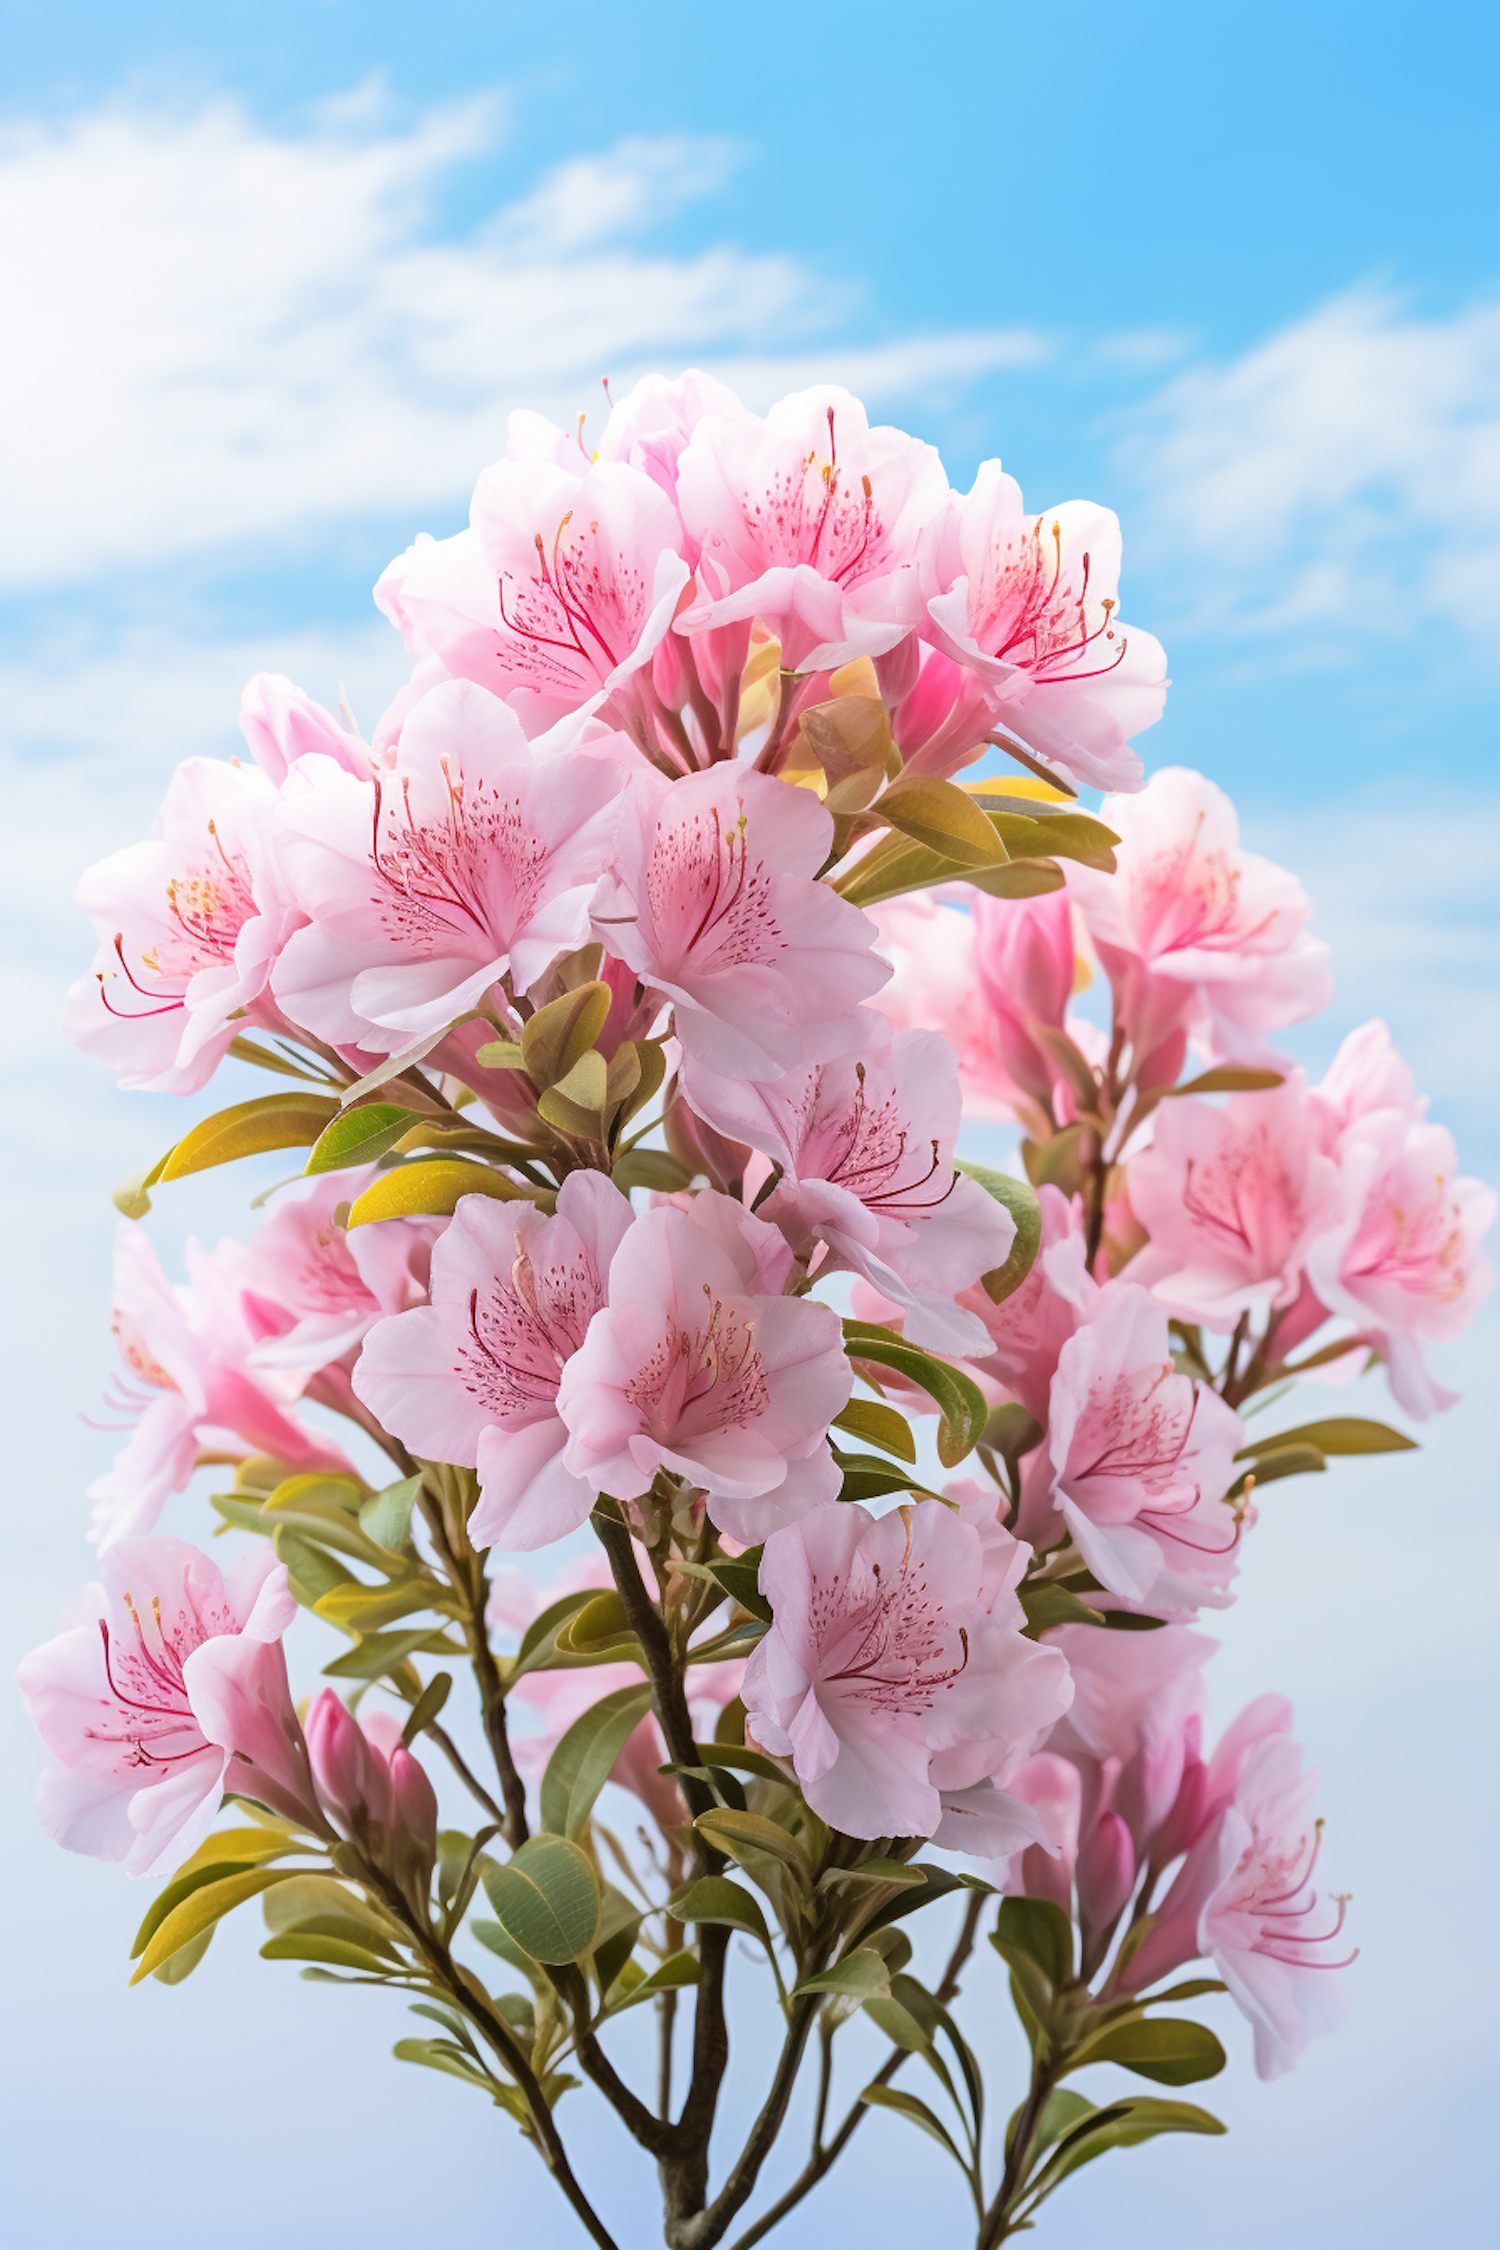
(1106, 1871)
(353, 1779)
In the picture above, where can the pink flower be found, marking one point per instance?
(374, 1790)
(1194, 932)
(932, 947)
(712, 900)
(1233, 1200)
(894, 1677)
(173, 1691)
(559, 593)
(190, 1386)
(473, 1377)
(1030, 605)
(1366, 1074)
(1028, 1330)
(1026, 961)
(1403, 1261)
(1141, 1456)
(866, 1150)
(811, 521)
(473, 857)
(313, 1290)
(654, 421)
(282, 724)
(699, 1365)
(189, 926)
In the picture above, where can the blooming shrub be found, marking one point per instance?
(625, 994)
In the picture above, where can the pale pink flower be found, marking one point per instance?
(170, 1691)
(935, 987)
(1233, 1200)
(557, 595)
(811, 521)
(895, 1679)
(473, 1377)
(698, 1365)
(281, 723)
(1030, 605)
(1026, 961)
(474, 856)
(189, 926)
(654, 421)
(866, 1150)
(1140, 1456)
(1193, 931)
(189, 1386)
(1366, 1074)
(712, 900)
(313, 1289)
(1028, 1329)
(1403, 1260)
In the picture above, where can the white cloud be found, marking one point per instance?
(1338, 482)
(217, 333)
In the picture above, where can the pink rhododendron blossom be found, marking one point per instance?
(698, 1365)
(812, 521)
(1140, 1457)
(712, 901)
(895, 1679)
(170, 1691)
(1030, 605)
(1028, 1329)
(1194, 932)
(935, 986)
(1026, 961)
(866, 1150)
(472, 857)
(282, 724)
(473, 1377)
(1366, 1074)
(1233, 1200)
(189, 926)
(190, 1385)
(1402, 1261)
(313, 1289)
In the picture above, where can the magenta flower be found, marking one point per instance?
(866, 1150)
(190, 1385)
(473, 1377)
(712, 901)
(474, 856)
(1031, 605)
(172, 1692)
(811, 521)
(1192, 931)
(1233, 1200)
(894, 1677)
(700, 1366)
(189, 926)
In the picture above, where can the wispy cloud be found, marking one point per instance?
(221, 333)
(1336, 484)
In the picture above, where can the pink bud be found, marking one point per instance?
(416, 1817)
(1024, 955)
(353, 1780)
(1106, 1871)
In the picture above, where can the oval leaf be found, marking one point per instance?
(1171, 2049)
(290, 1120)
(945, 819)
(1020, 1200)
(358, 1136)
(879, 1424)
(581, 1764)
(433, 1186)
(1342, 1433)
(201, 1909)
(957, 1396)
(547, 1900)
(713, 1898)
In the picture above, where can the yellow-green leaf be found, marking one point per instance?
(559, 1035)
(289, 1120)
(201, 1909)
(431, 1186)
(879, 1424)
(945, 819)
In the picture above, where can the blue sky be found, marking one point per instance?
(272, 276)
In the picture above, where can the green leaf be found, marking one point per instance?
(939, 1882)
(432, 1185)
(878, 1424)
(943, 818)
(1119, 2125)
(387, 1518)
(957, 1396)
(1342, 1433)
(438, 2054)
(183, 1962)
(547, 1899)
(538, 1638)
(359, 1136)
(650, 1168)
(576, 1104)
(600, 1624)
(289, 1120)
(748, 1836)
(713, 1898)
(860, 1975)
(1038, 1930)
(907, 2105)
(1020, 1199)
(561, 1034)
(1170, 2049)
(1046, 1606)
(378, 1653)
(364, 1609)
(738, 1576)
(581, 1764)
(1285, 1461)
(327, 1952)
(427, 1706)
(203, 1906)
(217, 1857)
(678, 1969)
(1229, 1078)
(1061, 2112)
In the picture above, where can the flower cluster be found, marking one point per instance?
(626, 992)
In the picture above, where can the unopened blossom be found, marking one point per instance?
(1026, 959)
(896, 1680)
(700, 1366)
(1193, 931)
(473, 1377)
(189, 925)
(313, 1289)
(281, 723)
(866, 1145)
(373, 1790)
(1030, 605)
(189, 1385)
(470, 858)
(812, 521)
(169, 1691)
(712, 901)
(1140, 1456)
(1233, 1200)
(1402, 1261)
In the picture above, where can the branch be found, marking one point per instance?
(709, 2226)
